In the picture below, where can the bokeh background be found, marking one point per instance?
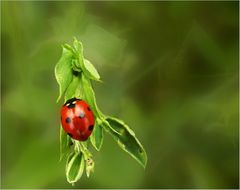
(170, 70)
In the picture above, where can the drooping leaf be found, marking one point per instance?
(74, 167)
(126, 139)
(65, 143)
(63, 71)
(97, 135)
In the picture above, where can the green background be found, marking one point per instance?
(169, 70)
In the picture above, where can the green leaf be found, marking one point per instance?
(83, 64)
(108, 127)
(74, 66)
(65, 143)
(90, 70)
(89, 95)
(74, 167)
(63, 71)
(74, 89)
(97, 135)
(126, 139)
(68, 47)
(78, 48)
(82, 146)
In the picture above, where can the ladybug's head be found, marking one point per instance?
(70, 101)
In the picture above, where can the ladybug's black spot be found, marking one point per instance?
(68, 120)
(88, 108)
(70, 134)
(90, 128)
(81, 115)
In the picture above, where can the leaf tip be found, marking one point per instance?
(98, 148)
(144, 165)
(100, 80)
(75, 38)
(144, 162)
(95, 146)
(77, 44)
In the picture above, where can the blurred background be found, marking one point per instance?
(170, 71)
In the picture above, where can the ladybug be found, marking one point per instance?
(77, 119)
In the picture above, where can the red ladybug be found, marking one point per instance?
(77, 119)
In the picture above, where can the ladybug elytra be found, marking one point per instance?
(77, 119)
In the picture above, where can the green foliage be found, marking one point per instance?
(89, 95)
(63, 71)
(127, 140)
(87, 156)
(74, 89)
(85, 65)
(90, 70)
(65, 142)
(97, 135)
(74, 167)
(78, 73)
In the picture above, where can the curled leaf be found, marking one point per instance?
(74, 167)
(74, 66)
(126, 139)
